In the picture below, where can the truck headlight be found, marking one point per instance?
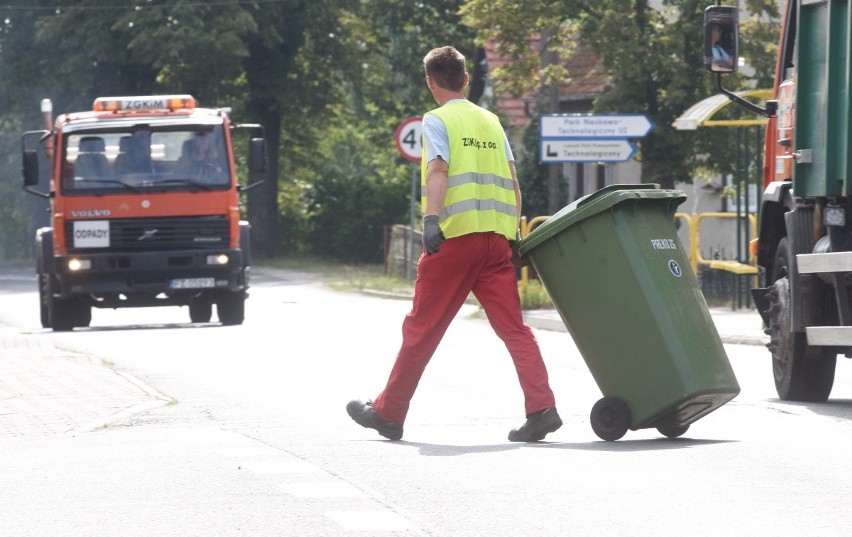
(834, 216)
(75, 264)
(218, 259)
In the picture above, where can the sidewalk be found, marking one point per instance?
(46, 390)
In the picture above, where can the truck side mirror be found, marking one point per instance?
(721, 39)
(257, 155)
(30, 168)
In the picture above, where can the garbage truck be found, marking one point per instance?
(144, 209)
(804, 238)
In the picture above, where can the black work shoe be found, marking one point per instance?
(537, 426)
(365, 416)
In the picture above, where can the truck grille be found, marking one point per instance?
(160, 234)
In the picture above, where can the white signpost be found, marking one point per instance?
(586, 150)
(600, 126)
(591, 138)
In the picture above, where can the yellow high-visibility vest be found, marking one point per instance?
(481, 192)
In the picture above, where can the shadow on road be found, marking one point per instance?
(131, 327)
(445, 450)
(645, 444)
(659, 444)
(834, 408)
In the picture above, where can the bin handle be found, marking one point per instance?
(612, 188)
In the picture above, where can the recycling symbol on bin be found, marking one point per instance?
(675, 268)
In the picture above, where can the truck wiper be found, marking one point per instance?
(113, 182)
(185, 182)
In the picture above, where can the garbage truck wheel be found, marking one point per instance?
(200, 312)
(802, 372)
(673, 431)
(610, 418)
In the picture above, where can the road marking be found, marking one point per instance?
(370, 520)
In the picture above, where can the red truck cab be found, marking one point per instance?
(145, 210)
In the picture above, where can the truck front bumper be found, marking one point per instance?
(131, 278)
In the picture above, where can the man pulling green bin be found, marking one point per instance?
(621, 281)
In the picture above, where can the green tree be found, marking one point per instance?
(352, 181)
(329, 79)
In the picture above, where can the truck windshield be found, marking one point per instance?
(144, 159)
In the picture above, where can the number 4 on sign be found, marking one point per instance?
(408, 138)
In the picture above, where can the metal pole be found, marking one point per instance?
(738, 175)
(743, 253)
(410, 257)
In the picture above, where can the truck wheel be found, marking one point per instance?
(610, 418)
(82, 313)
(802, 373)
(62, 314)
(231, 308)
(44, 299)
(200, 312)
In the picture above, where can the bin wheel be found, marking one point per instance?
(610, 418)
(673, 431)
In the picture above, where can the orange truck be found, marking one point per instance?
(144, 207)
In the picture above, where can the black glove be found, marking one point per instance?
(432, 234)
(517, 260)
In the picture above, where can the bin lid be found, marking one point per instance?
(595, 203)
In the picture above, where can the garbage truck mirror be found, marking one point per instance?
(257, 155)
(30, 168)
(721, 39)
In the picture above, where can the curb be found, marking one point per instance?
(554, 323)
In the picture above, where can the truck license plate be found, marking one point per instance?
(192, 283)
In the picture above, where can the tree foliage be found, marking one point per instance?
(329, 80)
(653, 57)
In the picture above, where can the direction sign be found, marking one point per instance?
(408, 138)
(586, 150)
(596, 126)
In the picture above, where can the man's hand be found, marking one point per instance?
(517, 260)
(432, 234)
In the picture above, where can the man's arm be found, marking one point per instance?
(517, 191)
(436, 186)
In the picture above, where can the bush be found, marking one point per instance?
(534, 296)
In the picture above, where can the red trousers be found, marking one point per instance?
(478, 263)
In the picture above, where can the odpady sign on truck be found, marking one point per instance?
(144, 207)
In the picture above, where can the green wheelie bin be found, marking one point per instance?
(620, 278)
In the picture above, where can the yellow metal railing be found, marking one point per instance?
(694, 223)
(694, 253)
(526, 229)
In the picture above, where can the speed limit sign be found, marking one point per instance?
(408, 138)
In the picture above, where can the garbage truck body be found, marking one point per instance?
(804, 244)
(144, 209)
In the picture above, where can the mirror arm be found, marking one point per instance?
(246, 188)
(40, 194)
(769, 111)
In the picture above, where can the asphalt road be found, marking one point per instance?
(247, 435)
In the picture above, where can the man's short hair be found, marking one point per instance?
(445, 65)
